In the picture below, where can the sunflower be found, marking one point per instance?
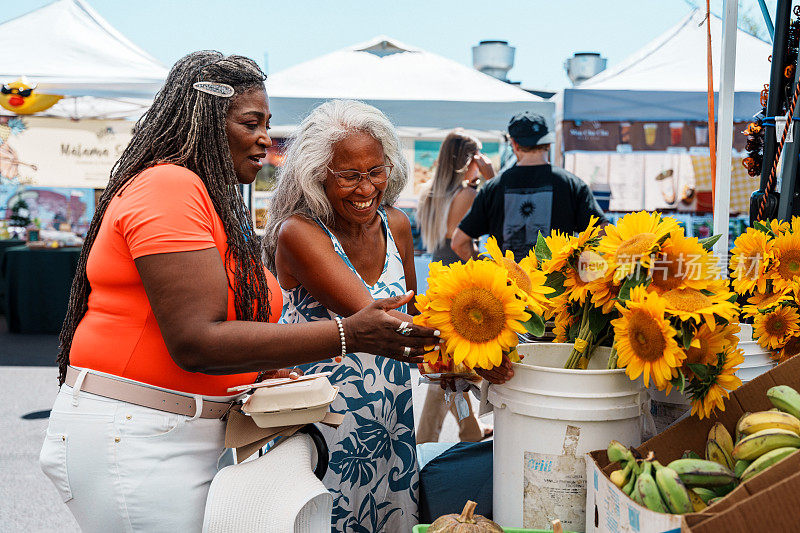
(706, 345)
(711, 394)
(564, 319)
(526, 277)
(692, 304)
(682, 263)
(645, 340)
(604, 292)
(790, 349)
(634, 241)
(477, 312)
(750, 260)
(786, 269)
(774, 327)
(764, 302)
(587, 236)
(561, 250)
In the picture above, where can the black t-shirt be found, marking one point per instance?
(526, 200)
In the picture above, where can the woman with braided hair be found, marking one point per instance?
(171, 305)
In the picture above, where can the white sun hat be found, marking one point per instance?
(275, 493)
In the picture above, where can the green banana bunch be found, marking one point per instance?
(722, 436)
(673, 492)
(647, 490)
(786, 399)
(715, 452)
(766, 460)
(697, 472)
(757, 444)
(691, 454)
(754, 422)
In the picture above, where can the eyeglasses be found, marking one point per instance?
(349, 179)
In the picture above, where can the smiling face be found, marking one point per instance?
(361, 152)
(246, 125)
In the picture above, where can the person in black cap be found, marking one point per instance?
(528, 198)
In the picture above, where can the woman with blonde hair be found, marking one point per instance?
(443, 203)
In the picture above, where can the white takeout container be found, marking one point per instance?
(300, 402)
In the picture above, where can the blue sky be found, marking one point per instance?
(544, 32)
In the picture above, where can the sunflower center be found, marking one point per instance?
(646, 337)
(689, 300)
(477, 315)
(776, 325)
(667, 272)
(789, 264)
(519, 276)
(637, 246)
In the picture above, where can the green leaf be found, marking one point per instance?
(629, 283)
(555, 280)
(534, 325)
(574, 329)
(701, 371)
(761, 227)
(597, 321)
(709, 242)
(663, 239)
(687, 334)
(541, 249)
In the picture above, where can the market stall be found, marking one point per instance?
(640, 128)
(70, 95)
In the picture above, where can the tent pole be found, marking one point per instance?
(767, 19)
(725, 131)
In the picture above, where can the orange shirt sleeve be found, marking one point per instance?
(166, 209)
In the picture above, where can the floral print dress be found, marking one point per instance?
(372, 473)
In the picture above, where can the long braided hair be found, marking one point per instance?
(187, 127)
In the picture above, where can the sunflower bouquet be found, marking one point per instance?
(582, 302)
(678, 319)
(480, 307)
(655, 296)
(765, 269)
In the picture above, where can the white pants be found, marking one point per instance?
(122, 467)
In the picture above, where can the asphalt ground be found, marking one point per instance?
(28, 385)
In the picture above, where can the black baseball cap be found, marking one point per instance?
(530, 129)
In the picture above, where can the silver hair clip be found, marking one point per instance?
(214, 89)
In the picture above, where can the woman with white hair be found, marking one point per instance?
(336, 244)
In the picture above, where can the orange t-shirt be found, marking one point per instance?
(164, 209)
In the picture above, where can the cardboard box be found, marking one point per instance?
(608, 509)
(774, 509)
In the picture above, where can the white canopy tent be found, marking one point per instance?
(71, 50)
(416, 89)
(666, 80)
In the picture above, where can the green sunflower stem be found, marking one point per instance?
(612, 359)
(585, 334)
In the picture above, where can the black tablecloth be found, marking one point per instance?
(4, 244)
(37, 284)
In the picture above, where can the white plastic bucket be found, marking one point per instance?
(545, 419)
(756, 359)
(667, 409)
